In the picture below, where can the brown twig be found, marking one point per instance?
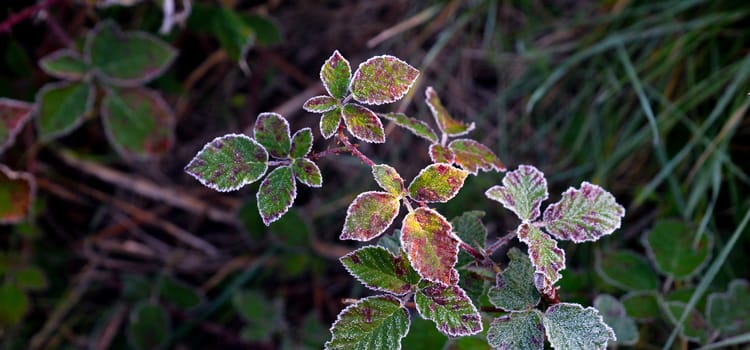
(353, 149)
(500, 242)
(24, 14)
(327, 152)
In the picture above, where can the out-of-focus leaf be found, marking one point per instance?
(449, 307)
(523, 192)
(380, 270)
(391, 242)
(695, 327)
(17, 191)
(259, 314)
(514, 288)
(585, 214)
(432, 248)
(61, 108)
(64, 64)
(388, 179)
(423, 335)
(376, 323)
(369, 215)
(382, 79)
(335, 75)
(570, 326)
(272, 131)
(470, 229)
(179, 294)
(729, 312)
(475, 281)
(627, 270)
(13, 305)
(444, 120)
(474, 156)
(302, 141)
(31, 278)
(320, 104)
(417, 127)
(641, 305)
(148, 327)
(437, 183)
(670, 246)
(546, 257)
(441, 154)
(517, 330)
(329, 122)
(615, 317)
(135, 287)
(229, 162)
(363, 123)
(307, 172)
(13, 115)
(276, 194)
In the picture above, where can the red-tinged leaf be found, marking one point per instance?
(307, 172)
(229, 162)
(441, 154)
(437, 183)
(363, 123)
(329, 122)
(64, 64)
(444, 120)
(320, 104)
(374, 323)
(474, 156)
(369, 215)
(417, 127)
(547, 258)
(335, 75)
(380, 270)
(584, 215)
(17, 191)
(301, 143)
(432, 248)
(522, 192)
(138, 122)
(388, 179)
(272, 131)
(61, 107)
(450, 308)
(382, 79)
(13, 115)
(276, 194)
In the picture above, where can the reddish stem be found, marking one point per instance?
(24, 14)
(500, 242)
(353, 149)
(327, 152)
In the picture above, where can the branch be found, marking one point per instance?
(24, 14)
(327, 152)
(353, 149)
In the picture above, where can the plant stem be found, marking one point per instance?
(353, 149)
(279, 162)
(327, 152)
(500, 242)
(24, 14)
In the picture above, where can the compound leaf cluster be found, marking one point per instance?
(378, 322)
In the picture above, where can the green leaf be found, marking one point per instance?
(272, 131)
(61, 108)
(229, 162)
(13, 115)
(374, 323)
(570, 326)
(307, 172)
(276, 194)
(13, 305)
(64, 64)
(320, 104)
(627, 270)
(728, 312)
(31, 278)
(547, 258)
(670, 247)
(388, 179)
(391, 242)
(514, 288)
(441, 154)
(417, 127)
(17, 192)
(302, 141)
(369, 215)
(363, 123)
(424, 335)
(450, 308)
(382, 79)
(584, 215)
(695, 328)
(473, 156)
(179, 294)
(613, 313)
(470, 229)
(127, 59)
(380, 270)
(138, 122)
(432, 248)
(643, 306)
(518, 331)
(148, 327)
(475, 280)
(445, 122)
(523, 192)
(259, 313)
(329, 122)
(335, 75)
(437, 183)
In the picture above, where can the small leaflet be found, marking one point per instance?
(335, 75)
(614, 315)
(570, 326)
(369, 215)
(380, 270)
(13, 304)
(444, 120)
(441, 154)
(473, 156)
(626, 270)
(13, 115)
(307, 172)
(382, 79)
(17, 192)
(61, 107)
(514, 288)
(695, 328)
(301, 143)
(437, 183)
(31, 278)
(432, 248)
(329, 122)
(229, 162)
(670, 247)
(148, 326)
(180, 294)
(475, 280)
(262, 316)
(363, 123)
(517, 331)
(320, 104)
(584, 215)
(522, 192)
(450, 308)
(727, 312)
(64, 64)
(272, 131)
(417, 127)
(276, 194)
(388, 179)
(546, 257)
(642, 306)
(469, 228)
(374, 323)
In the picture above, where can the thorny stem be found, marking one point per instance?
(500, 242)
(353, 149)
(24, 14)
(327, 152)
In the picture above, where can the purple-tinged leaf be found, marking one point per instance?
(727, 312)
(307, 172)
(13, 115)
(474, 156)
(441, 154)
(64, 64)
(363, 123)
(138, 122)
(329, 122)
(302, 141)
(437, 183)
(320, 104)
(427, 238)
(584, 215)
(369, 215)
(380, 270)
(514, 288)
(449, 307)
(417, 127)
(272, 131)
(570, 326)
(614, 315)
(444, 120)
(517, 331)
(17, 192)
(382, 79)
(374, 323)
(61, 107)
(335, 75)
(229, 162)
(276, 194)
(523, 192)
(388, 179)
(547, 258)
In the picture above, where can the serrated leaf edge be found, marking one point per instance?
(334, 106)
(433, 139)
(529, 245)
(242, 184)
(60, 53)
(349, 212)
(598, 315)
(469, 127)
(338, 124)
(20, 175)
(403, 188)
(452, 160)
(320, 75)
(79, 119)
(378, 123)
(375, 288)
(377, 103)
(286, 127)
(434, 165)
(309, 148)
(450, 233)
(622, 308)
(603, 233)
(274, 217)
(308, 184)
(462, 294)
(338, 317)
(480, 166)
(537, 208)
(13, 132)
